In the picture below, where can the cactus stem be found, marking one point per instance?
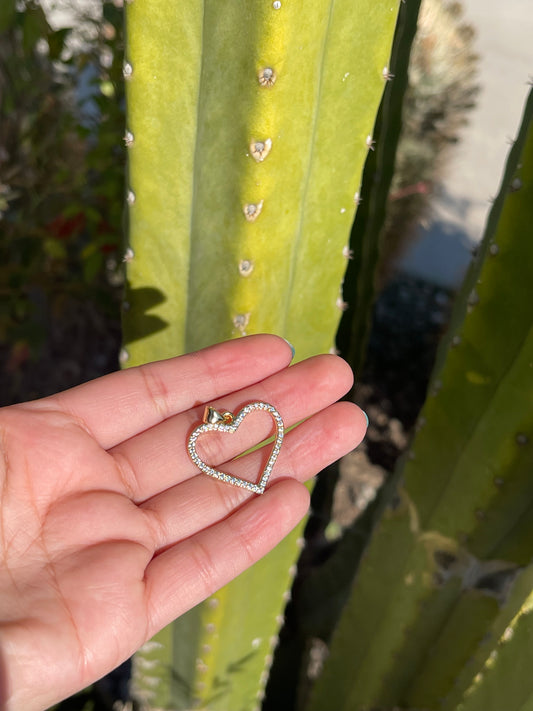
(267, 77)
(252, 210)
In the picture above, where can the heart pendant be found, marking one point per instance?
(215, 421)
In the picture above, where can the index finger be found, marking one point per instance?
(120, 405)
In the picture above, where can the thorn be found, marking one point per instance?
(386, 74)
(246, 267)
(128, 138)
(127, 70)
(473, 299)
(130, 197)
(370, 143)
(260, 149)
(252, 210)
(267, 77)
(241, 321)
(128, 255)
(341, 305)
(347, 253)
(276, 4)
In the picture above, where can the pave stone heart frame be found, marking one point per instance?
(214, 421)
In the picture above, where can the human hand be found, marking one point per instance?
(108, 531)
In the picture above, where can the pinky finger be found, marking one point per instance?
(187, 573)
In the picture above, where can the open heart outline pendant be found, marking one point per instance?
(215, 421)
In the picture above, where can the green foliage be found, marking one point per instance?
(62, 170)
(442, 566)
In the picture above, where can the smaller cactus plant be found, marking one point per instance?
(448, 561)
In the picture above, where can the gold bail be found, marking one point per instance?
(213, 417)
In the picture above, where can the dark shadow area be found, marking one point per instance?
(137, 323)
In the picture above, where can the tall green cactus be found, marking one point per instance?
(248, 125)
(447, 565)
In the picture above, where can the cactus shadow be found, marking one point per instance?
(140, 323)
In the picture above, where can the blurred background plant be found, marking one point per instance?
(61, 193)
(443, 86)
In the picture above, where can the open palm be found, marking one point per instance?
(107, 529)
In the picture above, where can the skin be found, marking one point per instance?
(104, 520)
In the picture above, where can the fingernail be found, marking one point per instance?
(291, 347)
(366, 417)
